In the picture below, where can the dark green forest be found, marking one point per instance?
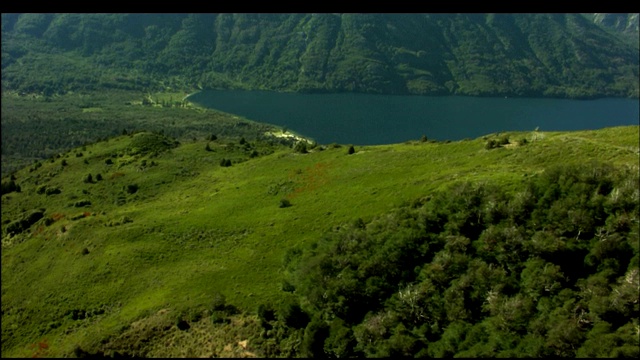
(551, 55)
(474, 271)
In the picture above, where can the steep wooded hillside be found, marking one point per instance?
(560, 55)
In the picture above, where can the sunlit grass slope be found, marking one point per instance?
(168, 227)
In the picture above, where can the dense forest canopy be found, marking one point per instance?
(557, 55)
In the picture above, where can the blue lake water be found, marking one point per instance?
(363, 119)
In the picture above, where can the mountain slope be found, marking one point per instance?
(563, 55)
(113, 264)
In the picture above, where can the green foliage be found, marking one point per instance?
(10, 186)
(24, 223)
(292, 315)
(460, 269)
(266, 314)
(52, 191)
(82, 203)
(314, 337)
(386, 282)
(468, 54)
(351, 150)
(301, 147)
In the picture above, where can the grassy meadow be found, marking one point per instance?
(167, 229)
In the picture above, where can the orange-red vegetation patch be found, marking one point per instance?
(40, 349)
(39, 230)
(57, 216)
(311, 178)
(116, 175)
(86, 213)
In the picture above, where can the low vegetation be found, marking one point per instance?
(384, 253)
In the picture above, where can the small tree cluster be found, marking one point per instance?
(225, 162)
(493, 143)
(10, 186)
(301, 147)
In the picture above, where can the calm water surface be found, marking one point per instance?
(362, 119)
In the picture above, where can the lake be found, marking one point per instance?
(363, 119)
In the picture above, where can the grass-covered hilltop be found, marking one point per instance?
(551, 55)
(142, 245)
(138, 224)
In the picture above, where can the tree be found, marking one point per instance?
(314, 337)
(10, 186)
(351, 150)
(301, 147)
(292, 315)
(88, 179)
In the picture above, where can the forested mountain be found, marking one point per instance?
(624, 23)
(560, 55)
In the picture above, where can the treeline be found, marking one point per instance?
(550, 269)
(36, 129)
(556, 55)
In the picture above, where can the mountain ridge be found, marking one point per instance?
(551, 55)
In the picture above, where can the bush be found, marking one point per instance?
(301, 147)
(292, 315)
(219, 302)
(82, 203)
(108, 162)
(52, 191)
(351, 150)
(131, 188)
(88, 179)
(284, 203)
(491, 144)
(266, 313)
(10, 186)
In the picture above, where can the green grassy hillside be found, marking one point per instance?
(166, 238)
